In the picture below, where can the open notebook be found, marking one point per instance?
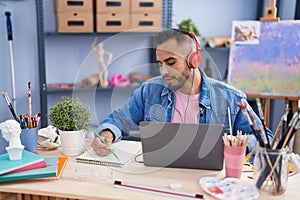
(125, 149)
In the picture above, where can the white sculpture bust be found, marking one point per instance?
(11, 131)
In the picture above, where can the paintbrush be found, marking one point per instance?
(251, 123)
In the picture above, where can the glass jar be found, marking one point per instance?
(271, 169)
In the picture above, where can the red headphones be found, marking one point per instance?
(194, 59)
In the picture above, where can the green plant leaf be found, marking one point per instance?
(70, 115)
(189, 26)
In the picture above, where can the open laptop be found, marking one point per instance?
(195, 146)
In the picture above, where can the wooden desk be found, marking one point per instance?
(97, 182)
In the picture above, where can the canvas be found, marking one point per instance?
(265, 58)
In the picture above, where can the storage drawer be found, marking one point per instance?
(75, 22)
(146, 6)
(110, 6)
(112, 22)
(145, 20)
(73, 5)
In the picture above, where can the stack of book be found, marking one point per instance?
(31, 166)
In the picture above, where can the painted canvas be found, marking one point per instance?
(267, 63)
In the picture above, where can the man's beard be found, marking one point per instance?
(179, 81)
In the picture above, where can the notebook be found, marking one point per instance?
(54, 168)
(29, 167)
(28, 158)
(125, 149)
(62, 161)
(194, 146)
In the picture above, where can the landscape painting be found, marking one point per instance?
(270, 66)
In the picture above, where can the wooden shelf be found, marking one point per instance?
(61, 91)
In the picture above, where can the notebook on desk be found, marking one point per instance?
(125, 150)
(194, 146)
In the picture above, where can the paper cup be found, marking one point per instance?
(234, 160)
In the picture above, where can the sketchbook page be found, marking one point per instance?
(125, 150)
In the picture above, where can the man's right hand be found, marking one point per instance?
(100, 148)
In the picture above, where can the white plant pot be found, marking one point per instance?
(72, 142)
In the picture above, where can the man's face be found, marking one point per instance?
(171, 59)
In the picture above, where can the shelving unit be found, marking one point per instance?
(42, 35)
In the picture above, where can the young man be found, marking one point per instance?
(183, 94)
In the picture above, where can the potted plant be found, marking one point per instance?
(189, 26)
(72, 119)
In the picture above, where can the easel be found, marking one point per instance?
(270, 16)
(267, 103)
(270, 12)
(295, 101)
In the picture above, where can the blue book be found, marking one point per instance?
(49, 171)
(28, 158)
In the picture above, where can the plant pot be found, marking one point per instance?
(72, 142)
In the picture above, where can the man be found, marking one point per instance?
(183, 94)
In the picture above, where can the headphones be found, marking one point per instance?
(194, 59)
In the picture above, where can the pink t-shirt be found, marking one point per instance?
(186, 112)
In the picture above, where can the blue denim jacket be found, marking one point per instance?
(153, 101)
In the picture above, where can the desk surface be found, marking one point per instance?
(87, 181)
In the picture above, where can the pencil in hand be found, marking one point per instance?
(103, 141)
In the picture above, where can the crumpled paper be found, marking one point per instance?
(48, 138)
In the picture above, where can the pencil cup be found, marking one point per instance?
(234, 160)
(29, 138)
(271, 170)
(3, 144)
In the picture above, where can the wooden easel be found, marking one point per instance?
(267, 103)
(270, 12)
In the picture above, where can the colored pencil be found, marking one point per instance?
(103, 141)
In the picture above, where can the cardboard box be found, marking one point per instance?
(146, 6)
(75, 22)
(112, 22)
(73, 5)
(146, 21)
(110, 6)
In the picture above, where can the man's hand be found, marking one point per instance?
(100, 148)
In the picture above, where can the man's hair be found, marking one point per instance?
(181, 37)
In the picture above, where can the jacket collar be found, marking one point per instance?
(204, 94)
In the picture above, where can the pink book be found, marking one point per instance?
(29, 167)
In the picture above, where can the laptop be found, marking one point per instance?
(193, 146)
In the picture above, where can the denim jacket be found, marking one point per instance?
(154, 101)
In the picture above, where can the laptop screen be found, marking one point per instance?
(195, 146)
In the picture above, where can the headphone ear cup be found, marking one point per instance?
(194, 60)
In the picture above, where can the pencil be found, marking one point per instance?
(103, 141)
(229, 121)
